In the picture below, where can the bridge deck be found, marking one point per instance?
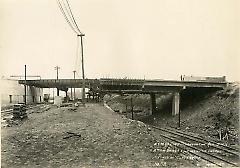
(131, 85)
(53, 83)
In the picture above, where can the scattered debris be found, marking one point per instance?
(19, 111)
(66, 105)
(72, 108)
(71, 134)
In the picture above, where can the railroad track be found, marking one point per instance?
(211, 151)
(226, 148)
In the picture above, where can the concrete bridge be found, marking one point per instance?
(130, 86)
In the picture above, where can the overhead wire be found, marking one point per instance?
(70, 13)
(73, 17)
(65, 16)
(70, 16)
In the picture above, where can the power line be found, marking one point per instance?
(79, 34)
(65, 16)
(73, 17)
(70, 17)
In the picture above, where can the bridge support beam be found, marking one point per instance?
(175, 103)
(66, 97)
(153, 103)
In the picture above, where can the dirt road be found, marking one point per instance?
(87, 137)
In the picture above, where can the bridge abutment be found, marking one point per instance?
(175, 103)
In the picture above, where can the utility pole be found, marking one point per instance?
(74, 72)
(25, 85)
(53, 95)
(71, 93)
(83, 76)
(132, 106)
(57, 68)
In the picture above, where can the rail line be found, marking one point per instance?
(226, 148)
(220, 155)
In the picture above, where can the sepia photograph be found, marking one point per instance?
(119, 83)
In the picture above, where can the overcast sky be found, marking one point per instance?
(124, 38)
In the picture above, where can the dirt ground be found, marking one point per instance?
(206, 114)
(93, 136)
(214, 113)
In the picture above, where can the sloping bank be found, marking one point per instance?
(87, 137)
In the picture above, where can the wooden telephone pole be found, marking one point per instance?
(83, 75)
(57, 68)
(25, 84)
(74, 77)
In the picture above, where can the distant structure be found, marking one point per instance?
(201, 78)
(13, 93)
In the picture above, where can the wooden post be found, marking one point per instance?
(132, 107)
(53, 95)
(74, 95)
(83, 75)
(126, 106)
(57, 68)
(179, 119)
(25, 85)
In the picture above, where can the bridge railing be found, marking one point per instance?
(104, 81)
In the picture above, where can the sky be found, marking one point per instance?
(152, 39)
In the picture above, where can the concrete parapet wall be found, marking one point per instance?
(202, 78)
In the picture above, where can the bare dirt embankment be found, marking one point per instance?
(211, 113)
(86, 137)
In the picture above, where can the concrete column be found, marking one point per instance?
(57, 92)
(66, 96)
(153, 104)
(175, 103)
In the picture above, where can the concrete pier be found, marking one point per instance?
(153, 103)
(175, 103)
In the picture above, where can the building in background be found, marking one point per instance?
(12, 92)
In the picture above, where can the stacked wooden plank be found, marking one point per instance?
(19, 111)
